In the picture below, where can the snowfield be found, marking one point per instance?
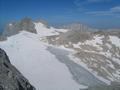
(29, 55)
(77, 60)
(100, 54)
(42, 30)
(115, 41)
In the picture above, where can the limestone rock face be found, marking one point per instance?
(98, 50)
(13, 28)
(28, 25)
(10, 77)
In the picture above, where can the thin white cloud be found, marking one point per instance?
(97, 1)
(84, 2)
(82, 7)
(115, 11)
(95, 13)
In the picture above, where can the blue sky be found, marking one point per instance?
(95, 13)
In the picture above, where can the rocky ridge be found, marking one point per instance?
(98, 51)
(10, 77)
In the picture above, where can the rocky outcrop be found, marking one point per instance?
(2, 38)
(10, 77)
(109, 87)
(76, 26)
(25, 24)
(98, 50)
(28, 25)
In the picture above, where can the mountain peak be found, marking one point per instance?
(13, 28)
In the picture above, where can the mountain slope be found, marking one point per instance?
(43, 70)
(38, 59)
(98, 52)
(10, 77)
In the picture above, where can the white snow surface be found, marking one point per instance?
(42, 30)
(96, 41)
(78, 61)
(29, 55)
(115, 40)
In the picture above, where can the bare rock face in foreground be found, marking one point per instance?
(10, 77)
